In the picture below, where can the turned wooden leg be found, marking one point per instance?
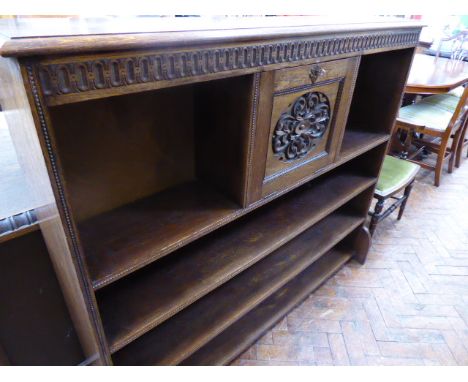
(376, 215)
(406, 195)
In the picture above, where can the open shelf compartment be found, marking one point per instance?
(377, 95)
(122, 230)
(169, 285)
(225, 347)
(147, 173)
(180, 336)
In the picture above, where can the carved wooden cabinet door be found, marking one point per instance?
(299, 131)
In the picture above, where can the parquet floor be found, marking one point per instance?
(408, 305)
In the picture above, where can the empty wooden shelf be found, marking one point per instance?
(171, 285)
(176, 339)
(129, 237)
(202, 178)
(356, 142)
(230, 343)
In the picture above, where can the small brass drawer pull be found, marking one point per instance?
(315, 72)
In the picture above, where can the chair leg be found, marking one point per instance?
(461, 141)
(451, 163)
(406, 195)
(440, 161)
(376, 215)
(453, 151)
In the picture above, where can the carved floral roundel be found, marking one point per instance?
(301, 126)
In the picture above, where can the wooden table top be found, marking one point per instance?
(435, 75)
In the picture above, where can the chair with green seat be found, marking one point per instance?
(430, 124)
(396, 175)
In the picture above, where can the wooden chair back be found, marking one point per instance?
(460, 114)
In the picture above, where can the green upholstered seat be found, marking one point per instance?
(434, 112)
(395, 174)
(447, 102)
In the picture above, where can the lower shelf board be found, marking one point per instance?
(356, 141)
(179, 337)
(242, 334)
(133, 306)
(125, 239)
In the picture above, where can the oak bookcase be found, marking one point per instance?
(199, 181)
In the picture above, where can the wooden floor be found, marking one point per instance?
(408, 305)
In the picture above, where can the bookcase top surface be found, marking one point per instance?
(72, 35)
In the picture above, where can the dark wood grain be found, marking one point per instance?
(4, 361)
(224, 114)
(178, 338)
(125, 239)
(117, 150)
(260, 139)
(35, 147)
(362, 244)
(110, 157)
(378, 92)
(154, 141)
(356, 142)
(322, 151)
(238, 337)
(156, 32)
(337, 85)
(170, 285)
(35, 326)
(77, 78)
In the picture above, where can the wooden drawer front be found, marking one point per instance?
(303, 76)
(309, 111)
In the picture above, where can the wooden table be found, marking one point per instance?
(428, 75)
(435, 75)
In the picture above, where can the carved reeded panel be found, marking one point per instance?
(301, 126)
(82, 75)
